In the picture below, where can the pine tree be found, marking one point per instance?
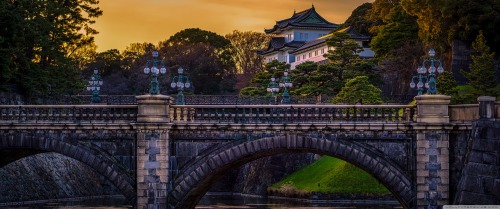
(482, 75)
(359, 90)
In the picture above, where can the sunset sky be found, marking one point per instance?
(131, 21)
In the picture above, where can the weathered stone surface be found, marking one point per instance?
(479, 183)
(51, 176)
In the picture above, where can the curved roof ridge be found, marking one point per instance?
(301, 19)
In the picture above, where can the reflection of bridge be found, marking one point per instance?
(170, 155)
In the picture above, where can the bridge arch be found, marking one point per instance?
(196, 179)
(26, 146)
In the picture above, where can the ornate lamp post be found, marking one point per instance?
(95, 84)
(285, 83)
(155, 87)
(272, 88)
(180, 82)
(424, 80)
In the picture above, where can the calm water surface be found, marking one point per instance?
(236, 201)
(218, 202)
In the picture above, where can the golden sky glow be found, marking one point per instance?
(131, 21)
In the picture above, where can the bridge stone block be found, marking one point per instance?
(259, 145)
(195, 176)
(432, 108)
(353, 155)
(113, 176)
(224, 157)
(152, 150)
(327, 145)
(279, 142)
(400, 187)
(315, 144)
(486, 107)
(200, 172)
(341, 150)
(307, 142)
(243, 150)
(268, 143)
(151, 165)
(249, 147)
(206, 168)
(389, 177)
(214, 162)
(153, 109)
(236, 152)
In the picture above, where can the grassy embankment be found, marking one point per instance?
(329, 175)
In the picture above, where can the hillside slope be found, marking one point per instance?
(331, 176)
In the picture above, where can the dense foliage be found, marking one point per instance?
(311, 79)
(359, 90)
(37, 43)
(482, 76)
(345, 52)
(442, 21)
(245, 46)
(47, 49)
(358, 19)
(261, 80)
(207, 58)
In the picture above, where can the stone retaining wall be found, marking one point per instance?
(480, 180)
(50, 176)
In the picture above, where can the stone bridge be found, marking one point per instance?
(168, 156)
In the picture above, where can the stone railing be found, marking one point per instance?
(67, 113)
(463, 113)
(497, 110)
(290, 113)
(240, 114)
(487, 108)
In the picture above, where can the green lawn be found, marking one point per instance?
(332, 175)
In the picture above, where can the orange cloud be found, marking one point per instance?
(131, 21)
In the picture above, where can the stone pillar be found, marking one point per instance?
(152, 150)
(432, 177)
(486, 107)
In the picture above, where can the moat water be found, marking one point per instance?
(219, 201)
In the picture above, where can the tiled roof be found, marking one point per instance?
(321, 40)
(312, 43)
(307, 18)
(354, 34)
(278, 43)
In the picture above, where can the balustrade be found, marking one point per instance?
(240, 114)
(67, 113)
(290, 113)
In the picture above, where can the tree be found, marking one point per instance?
(433, 23)
(134, 58)
(359, 19)
(359, 90)
(397, 30)
(311, 79)
(245, 46)
(395, 43)
(39, 38)
(482, 75)
(248, 62)
(207, 58)
(261, 80)
(470, 16)
(345, 52)
(442, 21)
(445, 83)
(398, 70)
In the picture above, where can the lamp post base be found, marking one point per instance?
(180, 99)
